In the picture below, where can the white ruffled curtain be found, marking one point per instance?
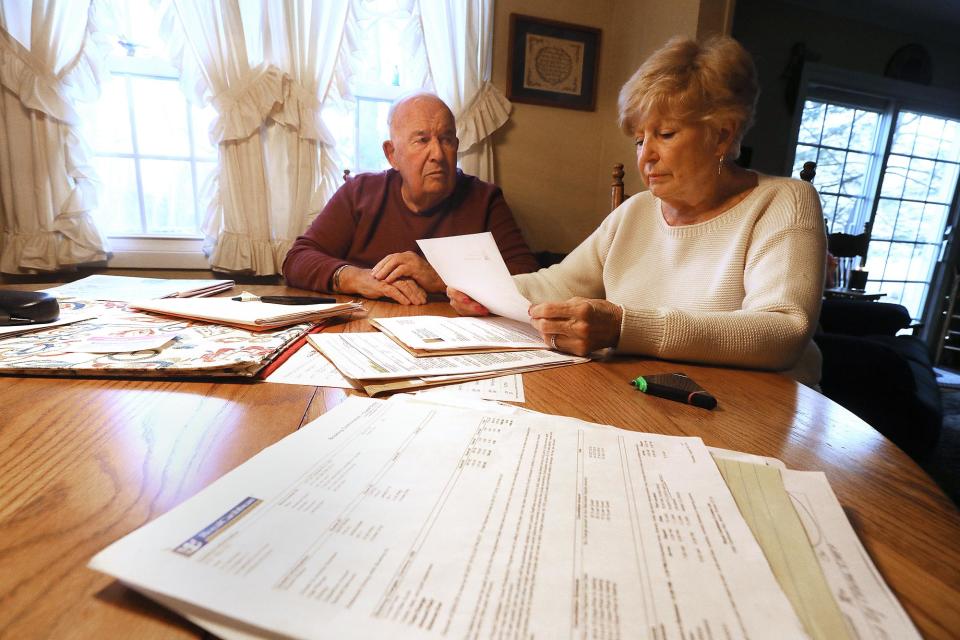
(51, 54)
(266, 67)
(458, 35)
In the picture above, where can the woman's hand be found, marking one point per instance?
(579, 326)
(464, 304)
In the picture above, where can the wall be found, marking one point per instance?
(769, 29)
(554, 164)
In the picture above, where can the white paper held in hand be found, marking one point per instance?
(473, 264)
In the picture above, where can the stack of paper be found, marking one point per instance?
(126, 289)
(253, 315)
(521, 525)
(436, 335)
(380, 365)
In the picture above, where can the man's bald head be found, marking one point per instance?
(423, 149)
(415, 102)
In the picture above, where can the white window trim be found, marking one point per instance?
(136, 252)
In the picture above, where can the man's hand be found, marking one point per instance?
(408, 265)
(464, 304)
(579, 326)
(402, 290)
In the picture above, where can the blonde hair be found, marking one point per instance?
(698, 83)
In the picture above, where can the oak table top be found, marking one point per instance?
(85, 461)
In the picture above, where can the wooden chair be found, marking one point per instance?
(617, 196)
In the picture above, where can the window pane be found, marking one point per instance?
(107, 121)
(829, 205)
(908, 221)
(950, 146)
(929, 134)
(918, 179)
(830, 169)
(924, 258)
(118, 210)
(811, 122)
(934, 220)
(885, 220)
(844, 218)
(898, 261)
(161, 114)
(854, 173)
(206, 186)
(905, 133)
(202, 119)
(894, 177)
(943, 182)
(877, 257)
(372, 131)
(168, 197)
(865, 124)
(837, 126)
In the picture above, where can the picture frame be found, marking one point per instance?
(552, 63)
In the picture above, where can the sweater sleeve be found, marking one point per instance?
(579, 274)
(316, 254)
(502, 225)
(783, 287)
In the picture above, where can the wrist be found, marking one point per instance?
(337, 280)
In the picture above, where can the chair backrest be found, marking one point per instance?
(617, 196)
(841, 245)
(848, 245)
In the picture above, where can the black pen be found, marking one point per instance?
(697, 398)
(286, 299)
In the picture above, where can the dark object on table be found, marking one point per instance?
(675, 386)
(27, 307)
(884, 378)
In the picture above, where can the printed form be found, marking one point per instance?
(407, 520)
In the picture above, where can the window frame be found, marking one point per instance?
(823, 82)
(140, 251)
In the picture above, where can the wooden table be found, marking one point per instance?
(84, 462)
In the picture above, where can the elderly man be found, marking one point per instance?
(364, 240)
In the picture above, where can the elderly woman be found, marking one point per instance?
(713, 263)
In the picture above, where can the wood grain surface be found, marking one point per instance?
(84, 462)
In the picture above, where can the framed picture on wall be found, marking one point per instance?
(552, 63)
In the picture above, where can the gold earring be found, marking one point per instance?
(720, 166)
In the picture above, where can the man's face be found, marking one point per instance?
(423, 149)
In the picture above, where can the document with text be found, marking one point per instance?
(472, 264)
(409, 520)
(374, 356)
(437, 335)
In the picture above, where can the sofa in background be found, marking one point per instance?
(885, 379)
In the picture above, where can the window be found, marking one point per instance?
(150, 146)
(389, 61)
(882, 162)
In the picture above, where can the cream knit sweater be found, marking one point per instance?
(742, 289)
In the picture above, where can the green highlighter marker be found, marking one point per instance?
(675, 386)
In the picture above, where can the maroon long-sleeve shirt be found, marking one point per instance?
(366, 219)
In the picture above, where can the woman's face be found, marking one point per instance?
(677, 161)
